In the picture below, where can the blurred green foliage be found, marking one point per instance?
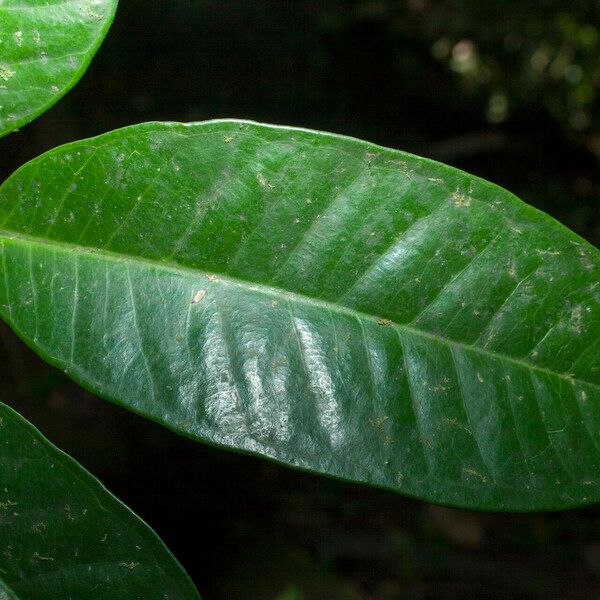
(507, 55)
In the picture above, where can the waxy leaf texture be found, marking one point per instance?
(63, 535)
(45, 47)
(318, 300)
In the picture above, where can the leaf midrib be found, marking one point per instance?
(7, 235)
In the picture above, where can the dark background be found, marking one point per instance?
(507, 90)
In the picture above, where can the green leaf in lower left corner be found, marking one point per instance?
(63, 535)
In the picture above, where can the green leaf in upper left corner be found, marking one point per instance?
(45, 47)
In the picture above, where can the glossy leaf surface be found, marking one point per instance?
(63, 535)
(45, 47)
(327, 303)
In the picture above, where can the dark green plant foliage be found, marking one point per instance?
(45, 47)
(63, 535)
(532, 56)
(324, 302)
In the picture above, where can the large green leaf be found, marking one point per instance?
(45, 47)
(63, 535)
(327, 303)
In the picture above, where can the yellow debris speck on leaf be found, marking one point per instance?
(460, 200)
(199, 296)
(38, 527)
(38, 556)
(6, 72)
(262, 180)
(549, 252)
(379, 421)
(378, 424)
(385, 322)
(474, 473)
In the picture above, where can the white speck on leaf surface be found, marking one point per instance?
(199, 296)
(460, 200)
